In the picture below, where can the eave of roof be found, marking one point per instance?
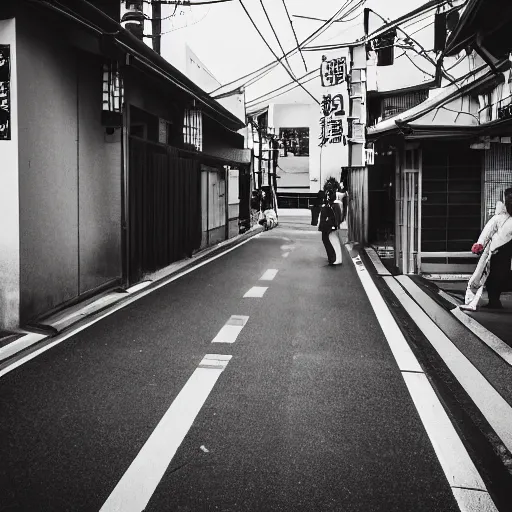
(463, 33)
(97, 20)
(393, 124)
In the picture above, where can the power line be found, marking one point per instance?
(432, 4)
(264, 69)
(294, 34)
(185, 3)
(255, 100)
(273, 53)
(275, 35)
(284, 92)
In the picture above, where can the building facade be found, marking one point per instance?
(110, 157)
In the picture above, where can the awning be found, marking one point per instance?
(431, 112)
(230, 155)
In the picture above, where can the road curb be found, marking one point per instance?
(45, 327)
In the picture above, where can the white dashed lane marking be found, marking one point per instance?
(141, 479)
(256, 291)
(269, 275)
(286, 254)
(230, 331)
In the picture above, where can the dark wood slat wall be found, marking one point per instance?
(452, 197)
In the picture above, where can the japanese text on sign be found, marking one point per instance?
(332, 72)
(5, 101)
(331, 124)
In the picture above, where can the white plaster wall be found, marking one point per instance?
(9, 199)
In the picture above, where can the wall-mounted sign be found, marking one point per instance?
(331, 124)
(369, 154)
(332, 72)
(357, 130)
(5, 86)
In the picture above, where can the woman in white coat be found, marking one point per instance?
(494, 266)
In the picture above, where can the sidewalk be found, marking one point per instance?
(468, 357)
(499, 322)
(20, 340)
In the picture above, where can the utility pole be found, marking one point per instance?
(275, 154)
(156, 25)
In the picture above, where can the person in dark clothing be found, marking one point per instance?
(330, 220)
(317, 206)
(501, 263)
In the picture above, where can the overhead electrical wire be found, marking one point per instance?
(264, 70)
(295, 35)
(275, 35)
(255, 100)
(273, 53)
(432, 4)
(185, 3)
(310, 38)
(281, 93)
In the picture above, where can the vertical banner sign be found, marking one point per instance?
(5, 99)
(332, 75)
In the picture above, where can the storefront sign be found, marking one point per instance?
(332, 72)
(5, 98)
(369, 154)
(331, 124)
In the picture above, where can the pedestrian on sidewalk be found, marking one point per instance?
(494, 266)
(330, 220)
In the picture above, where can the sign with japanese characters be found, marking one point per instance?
(5, 98)
(331, 124)
(332, 71)
(333, 116)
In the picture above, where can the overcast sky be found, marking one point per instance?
(225, 41)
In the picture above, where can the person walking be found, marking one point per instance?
(494, 266)
(330, 220)
(316, 207)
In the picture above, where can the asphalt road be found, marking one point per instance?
(310, 414)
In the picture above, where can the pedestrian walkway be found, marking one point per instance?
(476, 358)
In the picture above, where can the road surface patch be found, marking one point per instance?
(141, 479)
(231, 329)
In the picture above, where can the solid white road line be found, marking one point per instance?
(20, 344)
(379, 267)
(269, 274)
(492, 405)
(489, 338)
(457, 466)
(230, 331)
(141, 479)
(256, 291)
(401, 351)
(60, 338)
(455, 461)
(286, 254)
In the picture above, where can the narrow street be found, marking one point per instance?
(310, 412)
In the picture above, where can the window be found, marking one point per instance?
(294, 141)
(193, 130)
